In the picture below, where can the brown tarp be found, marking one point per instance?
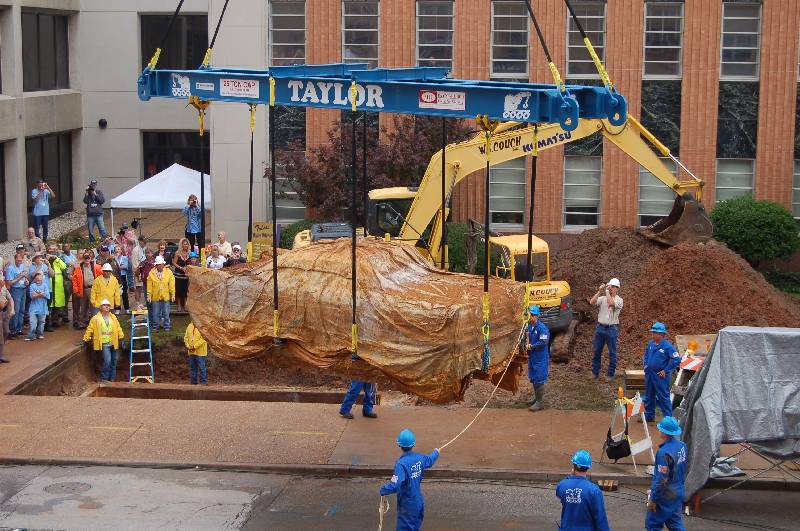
(418, 326)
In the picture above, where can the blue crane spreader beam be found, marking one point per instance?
(422, 91)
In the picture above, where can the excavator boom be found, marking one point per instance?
(688, 220)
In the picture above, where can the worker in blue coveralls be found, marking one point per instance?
(665, 497)
(406, 482)
(352, 394)
(538, 347)
(660, 360)
(582, 504)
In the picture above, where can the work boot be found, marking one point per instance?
(371, 415)
(538, 404)
(532, 399)
(347, 415)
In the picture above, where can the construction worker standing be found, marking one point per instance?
(660, 359)
(538, 347)
(582, 504)
(607, 330)
(406, 481)
(665, 497)
(351, 396)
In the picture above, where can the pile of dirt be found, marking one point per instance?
(694, 288)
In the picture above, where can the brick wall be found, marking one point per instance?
(777, 100)
(323, 45)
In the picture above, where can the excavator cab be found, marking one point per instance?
(387, 209)
(509, 256)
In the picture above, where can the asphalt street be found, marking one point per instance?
(101, 498)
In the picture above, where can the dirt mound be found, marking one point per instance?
(693, 288)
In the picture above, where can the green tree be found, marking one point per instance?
(756, 230)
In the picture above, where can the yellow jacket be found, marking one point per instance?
(194, 341)
(94, 329)
(105, 290)
(163, 289)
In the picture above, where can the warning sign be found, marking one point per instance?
(442, 99)
(262, 239)
(239, 88)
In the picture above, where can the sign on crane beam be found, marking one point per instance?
(421, 91)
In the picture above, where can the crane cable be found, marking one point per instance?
(207, 57)
(488, 127)
(598, 64)
(154, 60)
(353, 221)
(553, 69)
(273, 204)
(529, 262)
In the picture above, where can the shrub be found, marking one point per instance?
(786, 281)
(756, 230)
(290, 231)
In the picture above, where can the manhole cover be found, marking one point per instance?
(67, 487)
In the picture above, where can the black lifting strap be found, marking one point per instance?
(529, 275)
(444, 195)
(250, 198)
(154, 60)
(353, 221)
(275, 313)
(364, 178)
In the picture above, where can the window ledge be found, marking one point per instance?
(46, 93)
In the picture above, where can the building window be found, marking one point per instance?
(288, 206)
(507, 194)
(592, 15)
(162, 149)
(509, 40)
(186, 44)
(4, 196)
(45, 52)
(655, 197)
(435, 33)
(288, 32)
(360, 36)
(50, 158)
(290, 135)
(734, 178)
(741, 40)
(582, 191)
(796, 190)
(737, 119)
(663, 39)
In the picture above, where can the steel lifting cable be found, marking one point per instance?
(207, 58)
(444, 196)
(154, 60)
(553, 69)
(597, 62)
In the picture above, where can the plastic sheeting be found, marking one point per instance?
(747, 391)
(417, 325)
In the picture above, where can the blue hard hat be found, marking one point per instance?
(669, 426)
(582, 458)
(406, 439)
(659, 328)
(534, 310)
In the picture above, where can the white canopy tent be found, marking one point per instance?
(166, 190)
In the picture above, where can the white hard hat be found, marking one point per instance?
(614, 282)
(160, 260)
(105, 302)
(107, 267)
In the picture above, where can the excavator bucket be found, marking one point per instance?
(687, 222)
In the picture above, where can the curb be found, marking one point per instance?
(364, 471)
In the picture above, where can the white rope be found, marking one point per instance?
(383, 508)
(510, 359)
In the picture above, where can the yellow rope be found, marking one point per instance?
(383, 508)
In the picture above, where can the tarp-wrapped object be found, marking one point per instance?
(748, 390)
(417, 325)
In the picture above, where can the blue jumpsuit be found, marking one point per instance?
(406, 483)
(657, 357)
(352, 394)
(539, 353)
(582, 505)
(667, 487)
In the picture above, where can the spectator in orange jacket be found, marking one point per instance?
(86, 271)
